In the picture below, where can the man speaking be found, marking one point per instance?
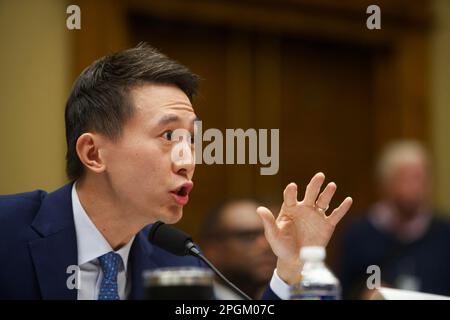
(120, 118)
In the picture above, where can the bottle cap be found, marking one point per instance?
(312, 253)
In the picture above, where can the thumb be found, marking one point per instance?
(268, 221)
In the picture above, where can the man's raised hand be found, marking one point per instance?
(301, 223)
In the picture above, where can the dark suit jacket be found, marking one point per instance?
(427, 258)
(38, 244)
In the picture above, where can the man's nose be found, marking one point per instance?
(183, 157)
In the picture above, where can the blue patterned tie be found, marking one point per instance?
(110, 263)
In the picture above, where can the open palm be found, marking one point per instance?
(302, 223)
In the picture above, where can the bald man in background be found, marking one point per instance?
(403, 234)
(233, 239)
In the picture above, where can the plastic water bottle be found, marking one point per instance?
(318, 282)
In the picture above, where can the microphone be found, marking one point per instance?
(181, 244)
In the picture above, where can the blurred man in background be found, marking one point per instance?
(233, 239)
(401, 233)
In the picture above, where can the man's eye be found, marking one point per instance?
(167, 135)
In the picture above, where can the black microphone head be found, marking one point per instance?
(170, 238)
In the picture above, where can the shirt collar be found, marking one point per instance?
(90, 242)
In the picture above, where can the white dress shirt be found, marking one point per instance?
(279, 287)
(91, 244)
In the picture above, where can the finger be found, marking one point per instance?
(340, 212)
(268, 221)
(327, 194)
(290, 195)
(313, 189)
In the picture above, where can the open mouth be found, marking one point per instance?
(183, 191)
(181, 194)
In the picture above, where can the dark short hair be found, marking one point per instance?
(100, 102)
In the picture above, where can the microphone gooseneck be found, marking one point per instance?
(181, 244)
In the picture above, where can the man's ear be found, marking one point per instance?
(88, 150)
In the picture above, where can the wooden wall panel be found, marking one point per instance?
(336, 90)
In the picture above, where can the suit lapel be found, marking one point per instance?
(56, 248)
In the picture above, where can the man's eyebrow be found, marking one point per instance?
(169, 118)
